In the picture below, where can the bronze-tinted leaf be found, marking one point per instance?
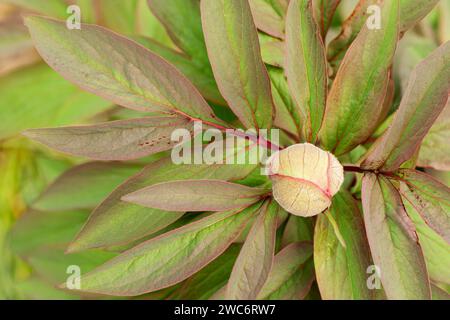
(292, 273)
(393, 241)
(234, 52)
(115, 140)
(435, 149)
(196, 195)
(341, 271)
(267, 18)
(423, 101)
(306, 66)
(170, 258)
(125, 73)
(359, 89)
(254, 262)
(429, 198)
(117, 222)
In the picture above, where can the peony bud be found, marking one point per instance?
(304, 178)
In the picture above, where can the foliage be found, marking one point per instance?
(112, 202)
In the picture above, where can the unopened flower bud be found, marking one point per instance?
(304, 178)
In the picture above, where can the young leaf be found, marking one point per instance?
(350, 29)
(411, 12)
(429, 198)
(24, 109)
(298, 229)
(115, 140)
(183, 23)
(359, 89)
(267, 18)
(324, 13)
(439, 294)
(393, 241)
(341, 272)
(287, 115)
(234, 52)
(435, 249)
(169, 258)
(126, 73)
(435, 150)
(196, 195)
(306, 66)
(117, 222)
(423, 101)
(254, 262)
(196, 73)
(211, 278)
(291, 275)
(272, 51)
(84, 186)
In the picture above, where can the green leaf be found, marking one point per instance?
(423, 101)
(183, 23)
(211, 278)
(84, 186)
(306, 66)
(24, 91)
(117, 222)
(435, 249)
(298, 229)
(115, 140)
(234, 52)
(126, 73)
(411, 12)
(350, 29)
(267, 18)
(254, 262)
(439, 294)
(393, 241)
(203, 80)
(272, 50)
(359, 89)
(324, 13)
(287, 116)
(148, 25)
(291, 275)
(434, 149)
(429, 198)
(169, 258)
(196, 195)
(341, 272)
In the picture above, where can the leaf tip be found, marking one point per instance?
(30, 133)
(75, 247)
